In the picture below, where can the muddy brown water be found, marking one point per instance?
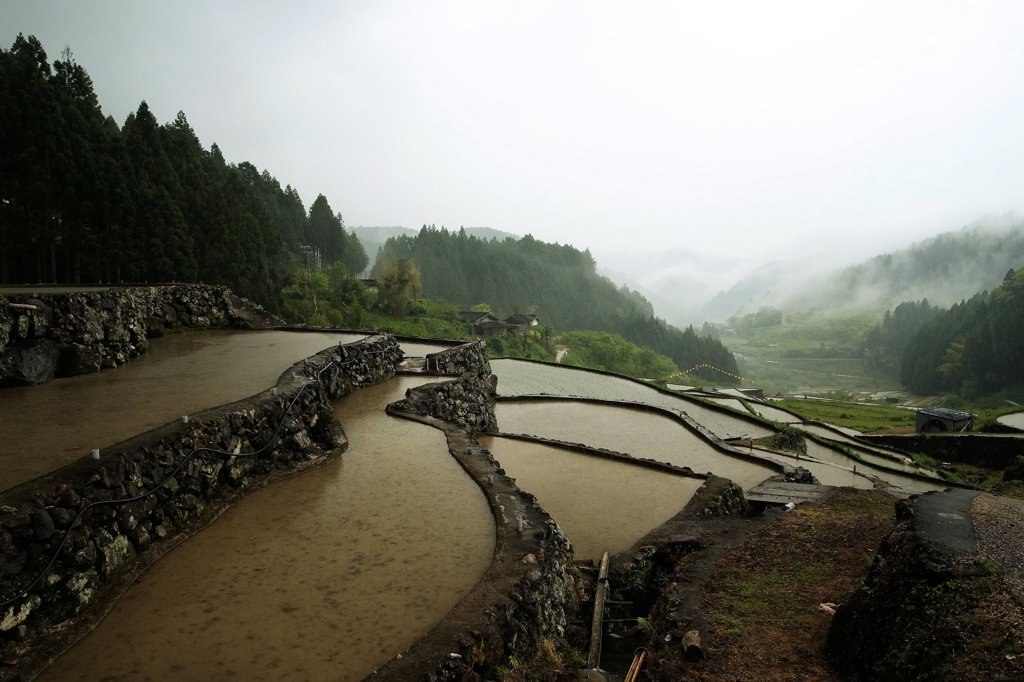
(624, 429)
(516, 377)
(325, 576)
(601, 505)
(45, 427)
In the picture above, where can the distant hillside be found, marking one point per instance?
(557, 282)
(945, 269)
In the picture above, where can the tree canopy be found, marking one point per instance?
(974, 348)
(85, 200)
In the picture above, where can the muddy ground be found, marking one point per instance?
(761, 593)
(758, 590)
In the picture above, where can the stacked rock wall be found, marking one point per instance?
(102, 521)
(467, 402)
(468, 357)
(43, 335)
(979, 449)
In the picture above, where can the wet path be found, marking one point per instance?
(45, 427)
(600, 505)
(516, 377)
(624, 429)
(325, 576)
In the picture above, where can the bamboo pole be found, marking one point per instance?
(597, 623)
(634, 668)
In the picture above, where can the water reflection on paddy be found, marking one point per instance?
(1015, 420)
(516, 377)
(421, 349)
(774, 413)
(624, 429)
(601, 505)
(325, 576)
(45, 427)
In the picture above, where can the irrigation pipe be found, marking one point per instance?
(125, 500)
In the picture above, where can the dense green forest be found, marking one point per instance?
(559, 283)
(83, 199)
(886, 342)
(974, 348)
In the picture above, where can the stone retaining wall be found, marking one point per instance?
(113, 541)
(982, 450)
(467, 402)
(909, 619)
(468, 357)
(525, 600)
(43, 335)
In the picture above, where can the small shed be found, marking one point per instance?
(943, 420)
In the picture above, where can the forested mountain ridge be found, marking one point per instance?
(373, 237)
(974, 348)
(557, 282)
(944, 269)
(85, 200)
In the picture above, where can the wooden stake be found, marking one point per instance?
(597, 624)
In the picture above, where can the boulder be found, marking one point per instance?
(30, 362)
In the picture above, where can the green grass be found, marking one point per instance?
(766, 597)
(865, 417)
(422, 326)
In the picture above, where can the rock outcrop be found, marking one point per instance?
(931, 599)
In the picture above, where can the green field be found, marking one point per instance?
(815, 353)
(864, 417)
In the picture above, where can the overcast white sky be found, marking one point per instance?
(738, 129)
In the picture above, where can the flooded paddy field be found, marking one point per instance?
(625, 429)
(840, 459)
(421, 349)
(516, 377)
(325, 576)
(731, 403)
(774, 413)
(601, 505)
(1016, 420)
(45, 427)
(879, 457)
